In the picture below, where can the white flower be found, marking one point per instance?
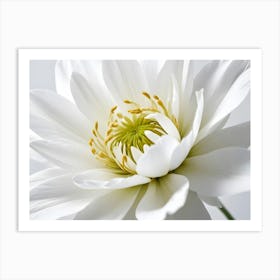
(142, 140)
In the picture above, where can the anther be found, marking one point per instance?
(146, 95)
(114, 109)
(135, 111)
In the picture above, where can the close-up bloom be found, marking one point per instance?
(143, 140)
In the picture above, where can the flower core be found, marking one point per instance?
(126, 132)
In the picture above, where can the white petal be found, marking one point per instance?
(169, 69)
(175, 100)
(52, 130)
(217, 77)
(58, 197)
(59, 111)
(63, 71)
(155, 162)
(151, 69)
(92, 102)
(182, 150)
(166, 124)
(163, 196)
(211, 200)
(112, 206)
(125, 79)
(107, 179)
(70, 156)
(235, 136)
(91, 70)
(59, 210)
(222, 172)
(192, 210)
(43, 175)
(232, 100)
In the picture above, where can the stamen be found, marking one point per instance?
(135, 111)
(146, 95)
(126, 131)
(114, 109)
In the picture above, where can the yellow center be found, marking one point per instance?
(126, 131)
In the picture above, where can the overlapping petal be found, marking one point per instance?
(163, 196)
(221, 172)
(98, 179)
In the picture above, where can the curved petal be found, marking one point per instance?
(58, 197)
(91, 102)
(91, 70)
(52, 130)
(112, 206)
(218, 76)
(107, 179)
(232, 100)
(151, 69)
(166, 124)
(171, 68)
(44, 175)
(155, 162)
(125, 79)
(222, 172)
(59, 111)
(235, 136)
(70, 156)
(192, 210)
(163, 196)
(182, 150)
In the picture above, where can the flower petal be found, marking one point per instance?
(232, 100)
(163, 196)
(58, 197)
(112, 206)
(44, 175)
(107, 179)
(52, 130)
(91, 70)
(155, 162)
(71, 156)
(125, 79)
(166, 124)
(193, 209)
(235, 136)
(93, 103)
(60, 111)
(182, 150)
(222, 172)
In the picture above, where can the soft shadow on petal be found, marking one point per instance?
(192, 210)
(163, 196)
(60, 111)
(41, 176)
(234, 97)
(124, 79)
(58, 197)
(91, 70)
(94, 105)
(182, 150)
(235, 136)
(99, 179)
(112, 206)
(70, 156)
(52, 130)
(222, 172)
(155, 162)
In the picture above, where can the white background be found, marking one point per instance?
(140, 255)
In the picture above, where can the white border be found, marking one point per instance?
(24, 57)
